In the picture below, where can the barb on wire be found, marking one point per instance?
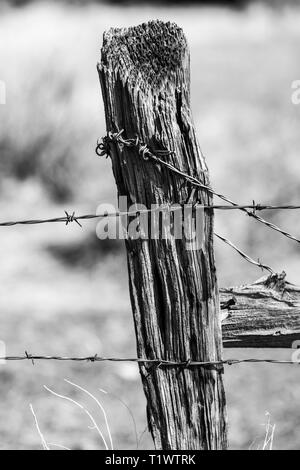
(244, 255)
(68, 218)
(103, 148)
(72, 218)
(28, 356)
(157, 363)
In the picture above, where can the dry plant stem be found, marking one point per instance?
(44, 443)
(95, 426)
(59, 446)
(129, 411)
(99, 405)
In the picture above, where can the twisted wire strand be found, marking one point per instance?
(244, 255)
(72, 218)
(103, 149)
(158, 363)
(67, 219)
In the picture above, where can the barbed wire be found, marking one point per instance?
(103, 149)
(69, 218)
(157, 363)
(244, 255)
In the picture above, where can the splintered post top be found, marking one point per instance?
(150, 54)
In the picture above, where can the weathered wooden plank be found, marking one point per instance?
(145, 79)
(265, 314)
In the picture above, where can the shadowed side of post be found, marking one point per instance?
(145, 79)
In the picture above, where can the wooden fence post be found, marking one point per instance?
(145, 78)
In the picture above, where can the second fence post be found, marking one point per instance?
(145, 79)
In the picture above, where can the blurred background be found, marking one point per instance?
(63, 291)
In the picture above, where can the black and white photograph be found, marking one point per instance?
(149, 228)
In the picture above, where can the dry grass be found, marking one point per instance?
(108, 443)
(267, 443)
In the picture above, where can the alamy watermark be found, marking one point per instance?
(296, 93)
(2, 92)
(159, 222)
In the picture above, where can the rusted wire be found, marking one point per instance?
(158, 363)
(103, 148)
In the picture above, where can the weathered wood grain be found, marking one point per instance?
(265, 314)
(145, 79)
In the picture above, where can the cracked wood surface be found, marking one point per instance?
(145, 78)
(265, 314)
